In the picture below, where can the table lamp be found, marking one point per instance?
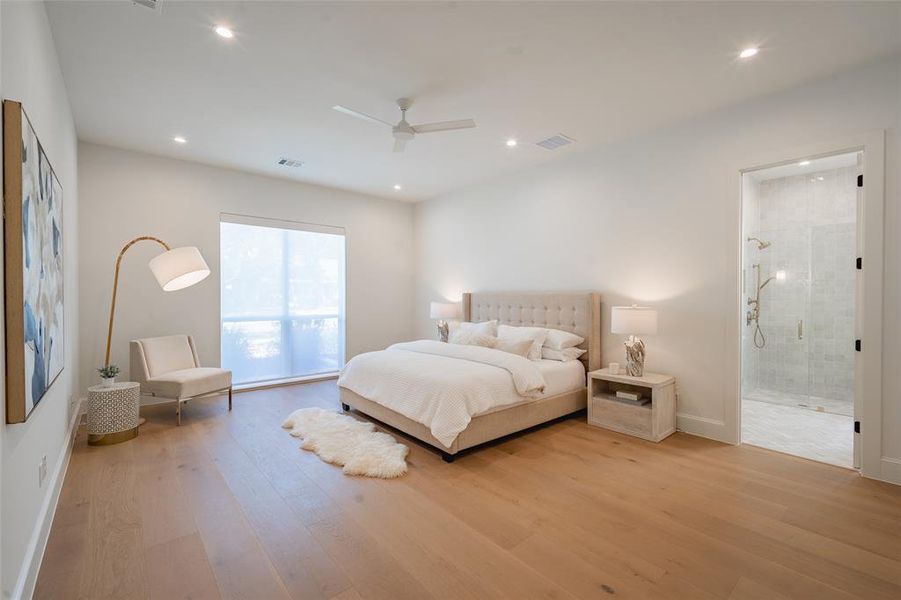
(443, 311)
(633, 320)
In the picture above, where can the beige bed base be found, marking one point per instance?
(578, 312)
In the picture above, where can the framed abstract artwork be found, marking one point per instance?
(33, 266)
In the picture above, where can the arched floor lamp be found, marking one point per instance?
(174, 269)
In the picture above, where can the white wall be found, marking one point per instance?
(126, 194)
(31, 74)
(655, 220)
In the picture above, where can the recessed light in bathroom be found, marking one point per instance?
(511, 143)
(223, 31)
(803, 163)
(179, 140)
(780, 275)
(397, 186)
(748, 52)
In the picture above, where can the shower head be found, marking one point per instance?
(760, 243)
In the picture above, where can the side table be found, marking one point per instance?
(113, 413)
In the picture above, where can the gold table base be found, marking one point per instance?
(108, 439)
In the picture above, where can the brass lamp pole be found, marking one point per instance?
(174, 269)
(112, 308)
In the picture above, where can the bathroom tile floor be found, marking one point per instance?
(829, 405)
(819, 436)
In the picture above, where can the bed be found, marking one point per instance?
(418, 378)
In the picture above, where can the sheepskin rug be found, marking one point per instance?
(342, 440)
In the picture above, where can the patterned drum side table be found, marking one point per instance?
(113, 413)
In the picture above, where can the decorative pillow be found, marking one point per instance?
(472, 338)
(535, 334)
(484, 328)
(520, 347)
(564, 355)
(561, 340)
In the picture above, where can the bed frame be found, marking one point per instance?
(578, 312)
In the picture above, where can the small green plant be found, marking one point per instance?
(109, 371)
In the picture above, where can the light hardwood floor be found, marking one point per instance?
(227, 506)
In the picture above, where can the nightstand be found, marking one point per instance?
(652, 421)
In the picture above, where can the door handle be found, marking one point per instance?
(800, 329)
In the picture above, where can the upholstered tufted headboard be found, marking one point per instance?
(578, 312)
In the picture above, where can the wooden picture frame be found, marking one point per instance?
(34, 310)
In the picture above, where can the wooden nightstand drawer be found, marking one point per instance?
(620, 416)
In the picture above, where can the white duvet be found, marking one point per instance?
(442, 386)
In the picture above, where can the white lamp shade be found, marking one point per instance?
(443, 310)
(179, 268)
(633, 320)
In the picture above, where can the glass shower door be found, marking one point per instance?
(784, 360)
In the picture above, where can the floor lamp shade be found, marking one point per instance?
(179, 268)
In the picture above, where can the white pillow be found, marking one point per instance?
(484, 328)
(561, 340)
(536, 334)
(565, 355)
(468, 337)
(514, 346)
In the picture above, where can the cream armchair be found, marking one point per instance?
(168, 367)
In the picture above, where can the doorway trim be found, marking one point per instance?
(868, 371)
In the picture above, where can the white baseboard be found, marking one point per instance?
(34, 553)
(713, 429)
(891, 470)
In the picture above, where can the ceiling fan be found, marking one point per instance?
(404, 132)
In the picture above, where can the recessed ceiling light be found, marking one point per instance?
(803, 163)
(223, 31)
(397, 186)
(179, 140)
(748, 52)
(511, 143)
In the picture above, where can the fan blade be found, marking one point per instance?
(359, 115)
(444, 126)
(399, 145)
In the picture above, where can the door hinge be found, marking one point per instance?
(859, 263)
(856, 426)
(857, 345)
(860, 181)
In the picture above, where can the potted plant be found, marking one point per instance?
(108, 375)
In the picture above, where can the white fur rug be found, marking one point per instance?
(342, 440)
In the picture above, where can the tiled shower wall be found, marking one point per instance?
(810, 221)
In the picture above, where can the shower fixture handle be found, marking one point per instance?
(800, 329)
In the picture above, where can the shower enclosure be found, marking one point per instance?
(799, 282)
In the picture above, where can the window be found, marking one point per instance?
(282, 298)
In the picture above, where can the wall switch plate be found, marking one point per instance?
(42, 470)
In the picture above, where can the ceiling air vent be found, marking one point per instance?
(289, 162)
(151, 4)
(555, 141)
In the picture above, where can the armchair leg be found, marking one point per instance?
(229, 398)
(178, 412)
